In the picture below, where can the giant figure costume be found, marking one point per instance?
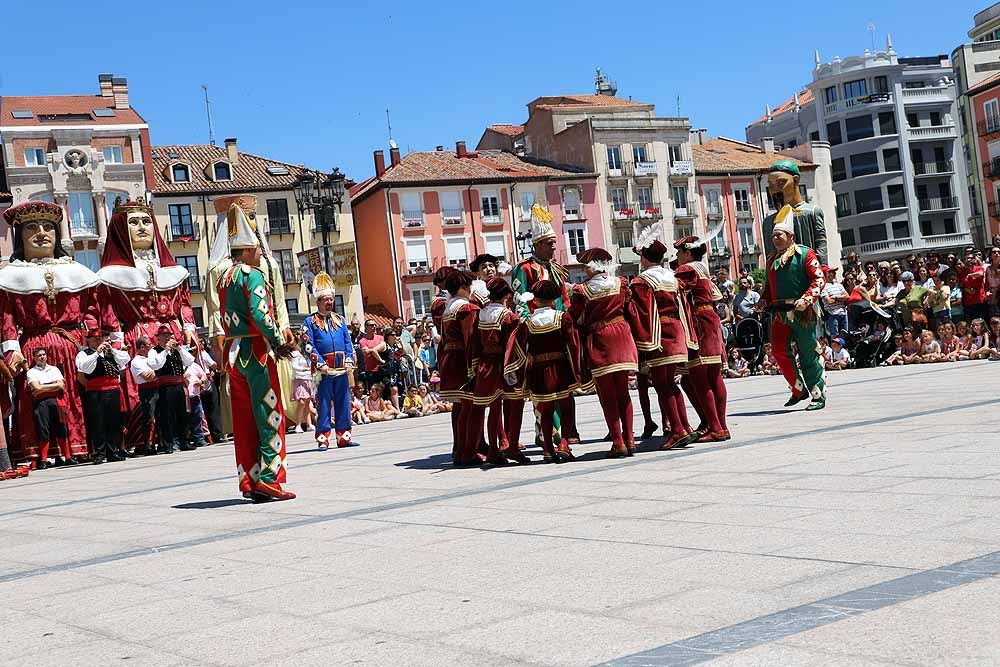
(327, 343)
(810, 226)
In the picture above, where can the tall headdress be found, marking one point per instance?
(34, 211)
(649, 245)
(541, 224)
(221, 245)
(322, 285)
(118, 247)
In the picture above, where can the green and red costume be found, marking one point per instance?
(251, 335)
(796, 274)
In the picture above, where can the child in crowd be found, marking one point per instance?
(995, 338)
(962, 334)
(738, 367)
(839, 357)
(957, 310)
(950, 348)
(911, 347)
(930, 348)
(302, 392)
(432, 406)
(358, 414)
(896, 358)
(770, 365)
(825, 350)
(413, 405)
(195, 380)
(377, 408)
(979, 348)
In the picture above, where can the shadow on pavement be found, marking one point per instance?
(212, 504)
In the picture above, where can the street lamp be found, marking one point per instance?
(524, 247)
(319, 193)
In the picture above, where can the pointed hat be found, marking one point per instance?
(541, 227)
(322, 285)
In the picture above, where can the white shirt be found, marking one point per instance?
(139, 365)
(207, 362)
(46, 375)
(158, 359)
(301, 367)
(841, 355)
(86, 363)
(835, 290)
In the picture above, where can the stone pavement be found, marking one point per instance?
(864, 534)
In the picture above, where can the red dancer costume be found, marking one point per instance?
(496, 324)
(545, 356)
(662, 329)
(455, 365)
(708, 392)
(49, 297)
(598, 307)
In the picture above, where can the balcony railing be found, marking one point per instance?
(992, 168)
(844, 212)
(744, 214)
(492, 219)
(958, 238)
(637, 211)
(713, 211)
(989, 127)
(927, 95)
(931, 168)
(627, 256)
(413, 220)
(931, 132)
(183, 232)
(80, 228)
(279, 226)
(686, 211)
(750, 249)
(452, 216)
(573, 214)
(617, 172)
(856, 102)
(938, 204)
(645, 168)
(888, 246)
(682, 168)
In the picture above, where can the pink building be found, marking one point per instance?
(436, 208)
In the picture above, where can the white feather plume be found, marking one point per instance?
(648, 235)
(504, 268)
(606, 266)
(525, 297)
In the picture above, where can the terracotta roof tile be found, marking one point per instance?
(722, 155)
(249, 175)
(583, 100)
(985, 84)
(805, 97)
(41, 105)
(509, 130)
(379, 314)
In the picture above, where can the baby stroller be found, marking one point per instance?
(750, 341)
(867, 348)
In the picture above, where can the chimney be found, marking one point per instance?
(232, 153)
(460, 149)
(767, 143)
(379, 164)
(119, 90)
(439, 149)
(104, 81)
(394, 156)
(698, 137)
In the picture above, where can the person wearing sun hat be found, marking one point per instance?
(792, 292)
(807, 219)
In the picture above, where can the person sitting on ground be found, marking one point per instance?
(826, 352)
(358, 414)
(930, 348)
(950, 349)
(963, 337)
(911, 347)
(995, 338)
(896, 358)
(738, 367)
(770, 365)
(979, 348)
(377, 408)
(840, 358)
(432, 406)
(413, 405)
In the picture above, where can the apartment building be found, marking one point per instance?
(892, 126)
(435, 208)
(79, 151)
(644, 166)
(189, 177)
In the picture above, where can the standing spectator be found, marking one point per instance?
(939, 298)
(745, 299)
(933, 263)
(725, 312)
(195, 380)
(853, 264)
(923, 277)
(372, 345)
(955, 290)
(210, 393)
(993, 279)
(393, 369)
(910, 303)
(428, 356)
(47, 387)
(302, 391)
(840, 358)
(722, 278)
(745, 273)
(145, 382)
(834, 299)
(974, 291)
(870, 288)
(889, 286)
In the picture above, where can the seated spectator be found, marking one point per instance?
(963, 337)
(995, 338)
(910, 347)
(770, 365)
(432, 406)
(358, 414)
(930, 348)
(413, 405)
(950, 348)
(435, 387)
(377, 408)
(897, 358)
(738, 367)
(869, 345)
(979, 348)
(825, 350)
(840, 358)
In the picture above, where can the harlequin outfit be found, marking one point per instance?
(327, 344)
(48, 300)
(456, 369)
(708, 391)
(797, 274)
(148, 290)
(251, 336)
(662, 329)
(544, 357)
(598, 307)
(103, 399)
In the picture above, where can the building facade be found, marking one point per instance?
(982, 102)
(80, 151)
(188, 179)
(644, 166)
(430, 209)
(732, 190)
(893, 130)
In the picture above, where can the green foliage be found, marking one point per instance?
(759, 276)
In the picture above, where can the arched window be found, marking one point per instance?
(180, 174)
(222, 172)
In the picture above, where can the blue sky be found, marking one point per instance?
(307, 83)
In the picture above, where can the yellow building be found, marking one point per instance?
(188, 180)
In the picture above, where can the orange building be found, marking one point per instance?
(436, 208)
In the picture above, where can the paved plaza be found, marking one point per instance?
(863, 534)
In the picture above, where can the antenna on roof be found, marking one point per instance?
(603, 85)
(871, 31)
(208, 112)
(392, 142)
(678, 106)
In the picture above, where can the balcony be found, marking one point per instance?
(687, 210)
(82, 229)
(939, 240)
(988, 128)
(492, 220)
(938, 204)
(931, 133)
(855, 103)
(276, 225)
(452, 216)
(415, 268)
(647, 211)
(617, 172)
(877, 247)
(182, 233)
(646, 169)
(744, 214)
(750, 249)
(682, 169)
(713, 211)
(992, 168)
(413, 220)
(933, 168)
(928, 95)
(627, 256)
(572, 215)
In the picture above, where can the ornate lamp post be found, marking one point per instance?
(524, 247)
(320, 193)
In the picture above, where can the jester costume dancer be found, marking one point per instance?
(541, 266)
(458, 324)
(251, 339)
(496, 324)
(598, 307)
(662, 329)
(707, 389)
(148, 290)
(49, 298)
(219, 263)
(792, 292)
(544, 357)
(326, 341)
